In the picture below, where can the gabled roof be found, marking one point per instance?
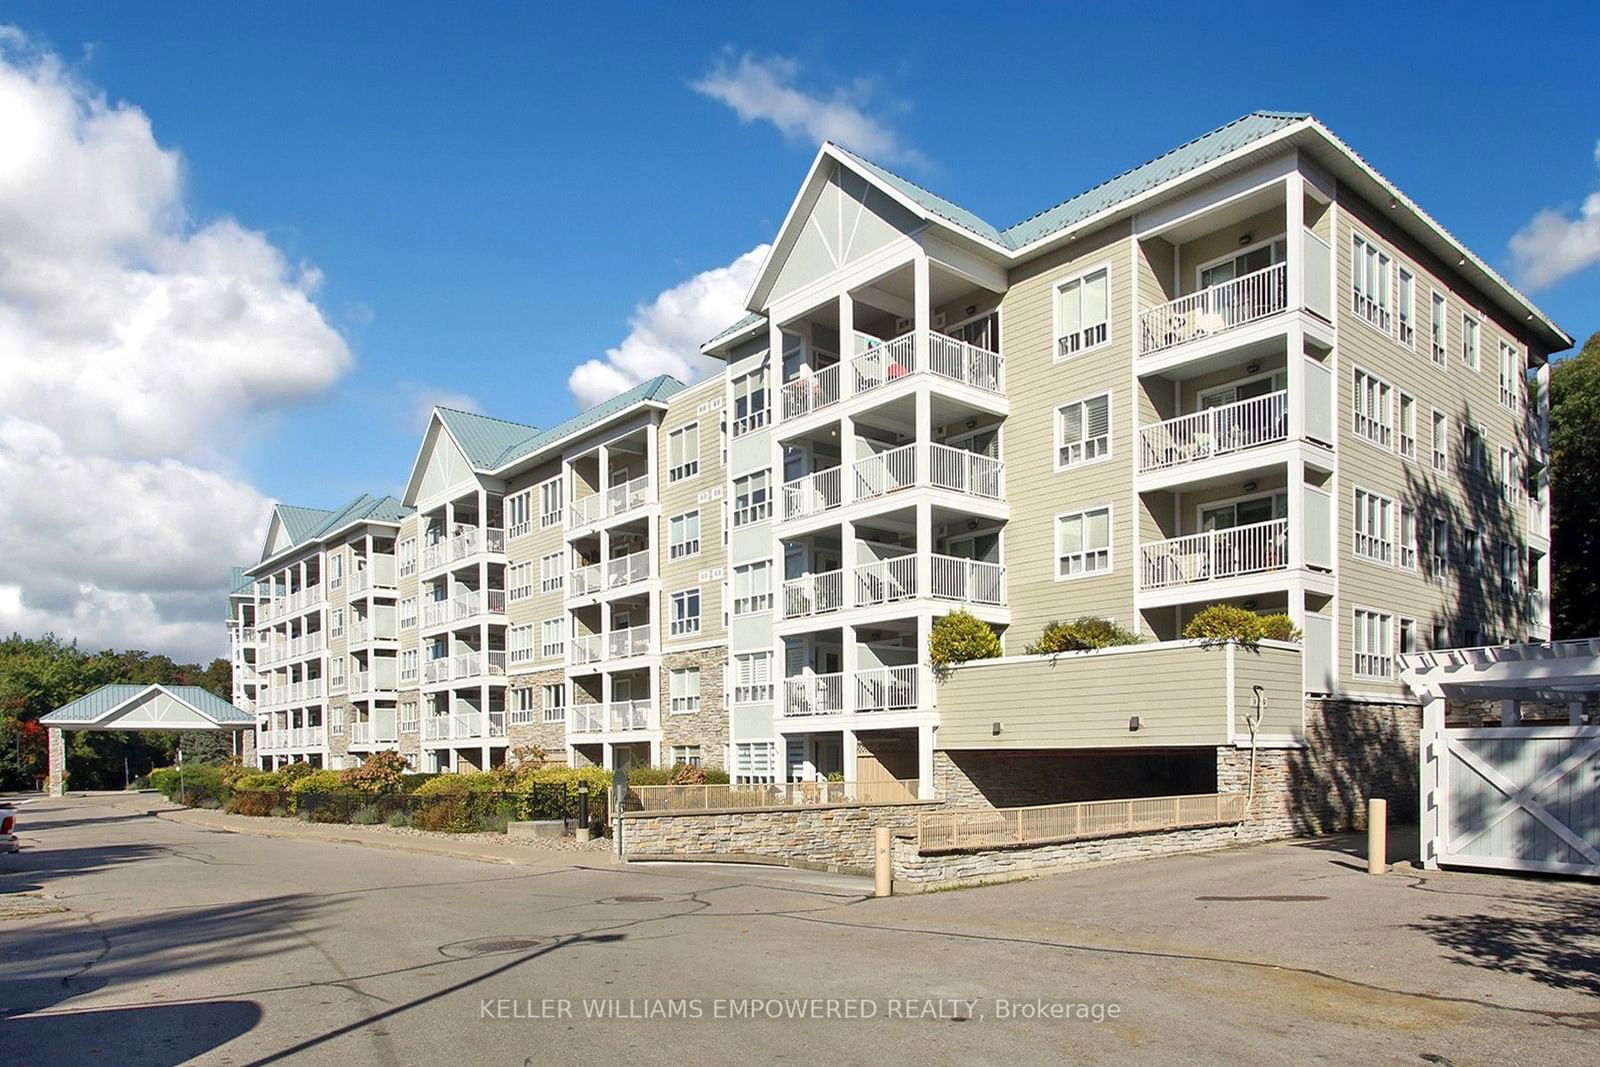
(364, 508)
(105, 702)
(239, 581)
(301, 523)
(655, 389)
(737, 328)
(483, 439)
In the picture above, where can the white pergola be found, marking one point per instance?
(139, 707)
(1515, 796)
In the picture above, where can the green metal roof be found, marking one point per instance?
(93, 707)
(482, 438)
(739, 327)
(301, 523)
(932, 202)
(364, 508)
(657, 388)
(239, 581)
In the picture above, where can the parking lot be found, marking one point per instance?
(136, 938)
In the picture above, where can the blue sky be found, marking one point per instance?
(492, 192)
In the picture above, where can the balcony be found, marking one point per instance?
(813, 594)
(379, 573)
(619, 573)
(633, 641)
(586, 719)
(883, 581)
(872, 689)
(890, 581)
(491, 664)
(970, 581)
(360, 733)
(470, 542)
(1214, 310)
(436, 727)
(472, 725)
(363, 631)
(1257, 548)
(1218, 431)
(887, 688)
(879, 363)
(617, 500)
(626, 715)
(951, 470)
(813, 494)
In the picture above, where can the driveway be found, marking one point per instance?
(133, 939)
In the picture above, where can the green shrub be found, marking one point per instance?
(960, 637)
(316, 782)
(381, 772)
(253, 802)
(295, 771)
(1280, 628)
(1227, 622)
(457, 784)
(649, 775)
(164, 780)
(1083, 635)
(410, 782)
(279, 811)
(400, 819)
(270, 780)
(715, 776)
(367, 816)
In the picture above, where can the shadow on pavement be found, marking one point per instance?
(1549, 938)
(131, 1037)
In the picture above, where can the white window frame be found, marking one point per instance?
(336, 568)
(1406, 427)
(519, 514)
(1374, 522)
(755, 761)
(1471, 340)
(1375, 428)
(687, 755)
(679, 544)
(683, 461)
(752, 588)
(747, 508)
(1372, 267)
(1441, 441)
(552, 501)
(1474, 449)
(1366, 623)
(1406, 306)
(519, 581)
(683, 690)
(1439, 330)
(406, 550)
(1407, 538)
(1404, 625)
(408, 613)
(1512, 560)
(1089, 449)
(519, 643)
(1471, 550)
(751, 390)
(1084, 554)
(336, 721)
(1439, 538)
(1508, 376)
(553, 637)
(752, 679)
(553, 702)
(519, 706)
(552, 572)
(1087, 337)
(684, 624)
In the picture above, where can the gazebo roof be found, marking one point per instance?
(149, 707)
(1554, 671)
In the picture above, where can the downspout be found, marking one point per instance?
(1254, 724)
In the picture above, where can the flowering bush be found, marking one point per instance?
(382, 772)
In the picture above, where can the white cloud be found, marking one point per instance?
(1554, 244)
(667, 333)
(760, 89)
(418, 401)
(136, 345)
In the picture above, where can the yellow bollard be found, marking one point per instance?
(883, 863)
(1377, 836)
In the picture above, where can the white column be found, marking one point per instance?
(1294, 212)
(922, 313)
(924, 473)
(1431, 741)
(847, 342)
(1510, 713)
(1297, 512)
(925, 762)
(849, 663)
(851, 770)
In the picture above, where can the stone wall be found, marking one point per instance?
(706, 727)
(56, 782)
(550, 736)
(831, 837)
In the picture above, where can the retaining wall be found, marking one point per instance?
(836, 837)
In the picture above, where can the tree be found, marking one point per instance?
(1575, 493)
(958, 637)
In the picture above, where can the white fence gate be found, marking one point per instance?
(1521, 798)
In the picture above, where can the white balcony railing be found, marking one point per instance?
(587, 648)
(883, 363)
(970, 581)
(476, 539)
(811, 392)
(1218, 431)
(885, 581)
(586, 509)
(360, 682)
(813, 494)
(628, 496)
(813, 694)
(960, 471)
(627, 570)
(633, 641)
(586, 719)
(436, 728)
(813, 594)
(966, 363)
(886, 688)
(625, 715)
(1215, 309)
(436, 670)
(360, 732)
(885, 472)
(1203, 557)
(878, 363)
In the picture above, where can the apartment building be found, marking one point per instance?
(1249, 371)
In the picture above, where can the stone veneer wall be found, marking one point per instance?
(56, 780)
(550, 736)
(707, 727)
(832, 837)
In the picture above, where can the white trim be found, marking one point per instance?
(1111, 542)
(1200, 269)
(1058, 284)
(1394, 660)
(1055, 433)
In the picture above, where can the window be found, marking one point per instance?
(750, 402)
(1369, 280)
(684, 690)
(1408, 426)
(553, 638)
(336, 568)
(1085, 429)
(552, 496)
(408, 716)
(1083, 313)
(1510, 567)
(752, 588)
(1440, 553)
(1441, 350)
(1408, 637)
(519, 513)
(336, 671)
(336, 721)
(555, 702)
(683, 535)
(685, 618)
(754, 761)
(1441, 636)
(683, 453)
(686, 755)
(522, 706)
(519, 581)
(1083, 543)
(1508, 376)
(408, 613)
(752, 498)
(1374, 648)
(1441, 438)
(1471, 551)
(1373, 409)
(1408, 538)
(752, 678)
(1469, 341)
(1374, 524)
(408, 665)
(519, 643)
(1510, 476)
(1472, 448)
(407, 551)
(552, 573)
(1407, 309)
(336, 628)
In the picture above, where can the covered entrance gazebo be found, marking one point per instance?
(142, 707)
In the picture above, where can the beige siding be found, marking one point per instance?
(705, 491)
(532, 548)
(1277, 672)
(1037, 383)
